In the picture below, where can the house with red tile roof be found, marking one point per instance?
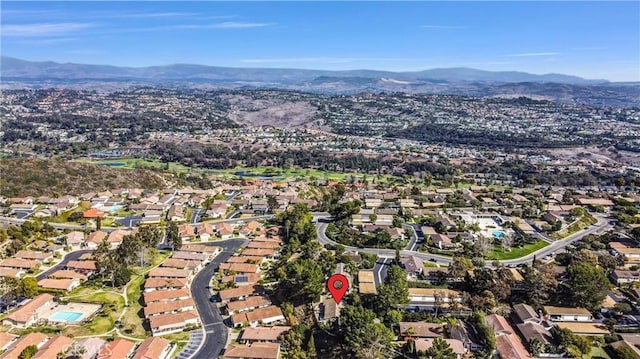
(261, 316)
(163, 272)
(117, 349)
(205, 231)
(264, 245)
(242, 279)
(28, 314)
(508, 344)
(85, 267)
(251, 303)
(115, 238)
(153, 284)
(95, 238)
(23, 264)
(253, 351)
(172, 323)
(263, 334)
(422, 345)
(260, 252)
(68, 274)
(240, 293)
(59, 284)
(6, 340)
(225, 231)
(14, 350)
(246, 259)
(173, 306)
(240, 267)
(153, 348)
(53, 347)
(74, 239)
(33, 255)
(11, 272)
(166, 295)
(182, 264)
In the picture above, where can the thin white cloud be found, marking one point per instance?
(44, 41)
(443, 27)
(43, 29)
(531, 54)
(225, 25)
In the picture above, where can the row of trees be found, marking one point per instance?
(114, 266)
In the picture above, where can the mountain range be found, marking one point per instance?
(17, 73)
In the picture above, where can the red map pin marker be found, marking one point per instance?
(338, 285)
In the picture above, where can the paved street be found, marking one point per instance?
(600, 227)
(72, 256)
(380, 270)
(197, 214)
(215, 337)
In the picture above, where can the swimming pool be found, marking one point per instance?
(115, 208)
(498, 234)
(63, 316)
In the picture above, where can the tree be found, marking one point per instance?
(150, 236)
(173, 237)
(539, 282)
(101, 256)
(587, 285)
(459, 268)
(301, 281)
(29, 287)
(440, 349)
(622, 307)
(299, 343)
(327, 261)
(536, 346)
(394, 291)
(121, 275)
(28, 352)
(362, 336)
(624, 352)
(272, 203)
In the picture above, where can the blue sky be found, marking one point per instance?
(589, 39)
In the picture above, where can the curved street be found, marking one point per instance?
(214, 330)
(602, 226)
(71, 256)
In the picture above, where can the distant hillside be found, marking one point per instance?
(19, 74)
(35, 177)
(16, 69)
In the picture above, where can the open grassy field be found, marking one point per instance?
(246, 172)
(133, 318)
(497, 252)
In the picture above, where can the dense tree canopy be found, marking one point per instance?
(587, 285)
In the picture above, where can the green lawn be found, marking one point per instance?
(497, 252)
(132, 321)
(597, 353)
(278, 173)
